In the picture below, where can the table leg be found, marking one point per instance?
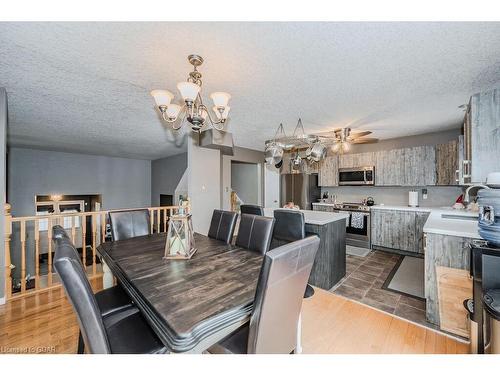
(107, 277)
(298, 344)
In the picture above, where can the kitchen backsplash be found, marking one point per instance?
(437, 196)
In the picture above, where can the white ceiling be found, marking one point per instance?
(84, 87)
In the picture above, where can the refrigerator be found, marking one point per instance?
(301, 189)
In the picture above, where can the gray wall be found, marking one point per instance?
(3, 133)
(123, 183)
(245, 181)
(245, 155)
(165, 176)
(437, 196)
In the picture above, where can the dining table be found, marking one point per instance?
(191, 304)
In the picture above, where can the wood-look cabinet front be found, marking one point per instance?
(447, 163)
(329, 171)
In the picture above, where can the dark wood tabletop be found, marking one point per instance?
(185, 301)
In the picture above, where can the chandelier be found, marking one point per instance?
(193, 110)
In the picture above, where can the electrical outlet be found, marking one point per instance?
(424, 193)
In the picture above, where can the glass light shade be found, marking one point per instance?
(224, 114)
(220, 98)
(162, 97)
(173, 111)
(188, 90)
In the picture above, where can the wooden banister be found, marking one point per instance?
(75, 224)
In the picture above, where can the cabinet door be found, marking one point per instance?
(394, 229)
(389, 168)
(363, 159)
(447, 163)
(329, 171)
(420, 166)
(346, 161)
(485, 134)
(420, 219)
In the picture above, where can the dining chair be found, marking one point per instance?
(255, 233)
(110, 300)
(290, 226)
(252, 209)
(128, 224)
(277, 304)
(123, 331)
(222, 225)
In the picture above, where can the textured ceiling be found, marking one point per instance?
(85, 86)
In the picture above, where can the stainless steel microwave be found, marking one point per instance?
(357, 176)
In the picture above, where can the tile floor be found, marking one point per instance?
(363, 283)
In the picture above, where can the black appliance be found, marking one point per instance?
(485, 271)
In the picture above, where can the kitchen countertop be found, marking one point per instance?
(314, 217)
(438, 224)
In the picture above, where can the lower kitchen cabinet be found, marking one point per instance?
(398, 230)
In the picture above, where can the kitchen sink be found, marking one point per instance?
(459, 217)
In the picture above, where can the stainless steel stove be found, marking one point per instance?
(358, 229)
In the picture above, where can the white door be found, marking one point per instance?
(271, 186)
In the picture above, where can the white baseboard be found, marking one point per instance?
(2, 301)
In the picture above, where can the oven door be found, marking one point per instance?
(358, 228)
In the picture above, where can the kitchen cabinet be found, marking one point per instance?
(398, 230)
(420, 219)
(393, 229)
(329, 171)
(447, 282)
(481, 148)
(286, 168)
(419, 166)
(390, 168)
(364, 159)
(447, 163)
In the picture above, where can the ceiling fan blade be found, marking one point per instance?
(359, 134)
(364, 140)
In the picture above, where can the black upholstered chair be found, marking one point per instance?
(290, 226)
(255, 233)
(277, 304)
(123, 331)
(110, 300)
(128, 224)
(252, 209)
(222, 225)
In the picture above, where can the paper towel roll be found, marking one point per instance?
(413, 198)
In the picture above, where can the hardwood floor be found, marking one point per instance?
(331, 324)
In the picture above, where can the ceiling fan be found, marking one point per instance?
(341, 139)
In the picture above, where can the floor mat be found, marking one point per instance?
(407, 277)
(357, 251)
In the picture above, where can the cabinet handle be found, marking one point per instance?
(457, 175)
(466, 169)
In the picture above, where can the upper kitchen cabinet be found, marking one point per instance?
(390, 168)
(447, 163)
(481, 150)
(364, 159)
(420, 166)
(329, 171)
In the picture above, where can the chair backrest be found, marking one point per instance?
(290, 225)
(255, 232)
(222, 225)
(128, 224)
(278, 300)
(74, 280)
(252, 209)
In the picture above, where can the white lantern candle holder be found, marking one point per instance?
(180, 238)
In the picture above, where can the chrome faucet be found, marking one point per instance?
(467, 191)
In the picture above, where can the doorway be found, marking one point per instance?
(246, 183)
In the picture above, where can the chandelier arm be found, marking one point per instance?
(203, 106)
(181, 123)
